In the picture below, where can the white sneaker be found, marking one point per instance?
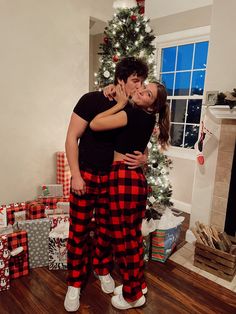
(71, 302)
(118, 290)
(107, 283)
(120, 303)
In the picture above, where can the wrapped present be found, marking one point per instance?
(19, 216)
(12, 209)
(4, 264)
(38, 231)
(58, 245)
(56, 220)
(18, 246)
(51, 202)
(63, 172)
(35, 210)
(164, 242)
(6, 230)
(64, 207)
(3, 216)
(51, 190)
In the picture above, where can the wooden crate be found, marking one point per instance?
(214, 261)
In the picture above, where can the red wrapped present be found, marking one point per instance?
(18, 246)
(51, 202)
(35, 210)
(3, 216)
(4, 264)
(63, 172)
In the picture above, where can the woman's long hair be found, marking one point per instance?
(162, 108)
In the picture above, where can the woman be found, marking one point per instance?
(135, 119)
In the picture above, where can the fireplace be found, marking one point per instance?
(223, 211)
(230, 220)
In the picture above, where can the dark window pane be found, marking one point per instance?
(185, 57)
(194, 110)
(178, 109)
(198, 81)
(168, 80)
(176, 134)
(168, 59)
(182, 83)
(200, 59)
(191, 136)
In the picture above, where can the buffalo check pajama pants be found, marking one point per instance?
(83, 208)
(128, 194)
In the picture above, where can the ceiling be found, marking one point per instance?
(156, 9)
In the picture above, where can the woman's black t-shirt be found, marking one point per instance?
(136, 134)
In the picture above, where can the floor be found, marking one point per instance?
(184, 256)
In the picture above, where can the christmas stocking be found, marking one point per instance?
(199, 144)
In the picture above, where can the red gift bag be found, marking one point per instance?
(19, 262)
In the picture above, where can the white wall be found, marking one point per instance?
(44, 62)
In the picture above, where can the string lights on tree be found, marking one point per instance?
(127, 34)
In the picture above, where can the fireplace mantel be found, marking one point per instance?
(222, 112)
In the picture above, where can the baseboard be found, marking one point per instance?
(185, 207)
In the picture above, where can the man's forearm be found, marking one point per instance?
(72, 154)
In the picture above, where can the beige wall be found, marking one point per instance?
(44, 61)
(221, 74)
(182, 21)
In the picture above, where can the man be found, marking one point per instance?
(89, 167)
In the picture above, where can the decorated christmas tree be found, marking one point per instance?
(129, 34)
(157, 171)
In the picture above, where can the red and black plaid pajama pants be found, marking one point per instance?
(82, 208)
(128, 194)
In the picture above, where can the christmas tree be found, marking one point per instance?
(127, 34)
(157, 171)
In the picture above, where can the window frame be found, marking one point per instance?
(189, 36)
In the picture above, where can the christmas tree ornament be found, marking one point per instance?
(133, 18)
(106, 40)
(115, 58)
(148, 29)
(106, 74)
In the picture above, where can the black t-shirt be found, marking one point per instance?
(136, 134)
(96, 149)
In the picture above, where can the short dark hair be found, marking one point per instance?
(130, 66)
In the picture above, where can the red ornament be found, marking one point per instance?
(133, 18)
(149, 189)
(106, 39)
(115, 58)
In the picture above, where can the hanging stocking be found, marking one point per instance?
(199, 144)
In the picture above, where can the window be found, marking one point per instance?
(182, 70)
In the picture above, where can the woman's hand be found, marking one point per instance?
(121, 96)
(109, 91)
